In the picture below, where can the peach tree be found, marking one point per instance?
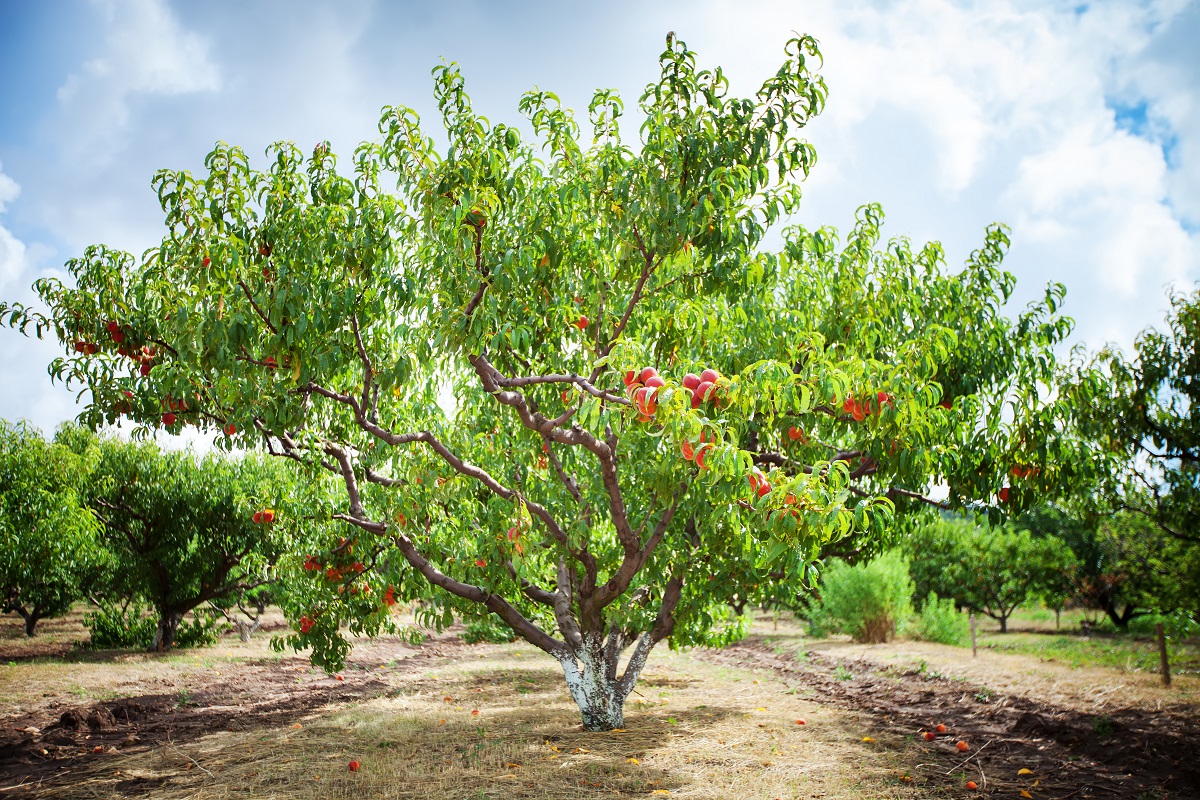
(50, 551)
(183, 531)
(561, 380)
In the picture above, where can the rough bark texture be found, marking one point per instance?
(591, 675)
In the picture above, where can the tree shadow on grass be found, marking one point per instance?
(490, 730)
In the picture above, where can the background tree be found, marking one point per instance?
(185, 531)
(49, 550)
(1146, 411)
(989, 570)
(468, 354)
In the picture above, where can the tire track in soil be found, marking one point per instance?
(40, 750)
(1130, 753)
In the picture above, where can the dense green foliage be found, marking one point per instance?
(870, 600)
(1146, 411)
(940, 621)
(48, 539)
(181, 529)
(1126, 566)
(327, 317)
(49, 551)
(989, 570)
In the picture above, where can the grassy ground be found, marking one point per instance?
(1033, 632)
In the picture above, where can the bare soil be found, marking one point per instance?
(59, 740)
(1130, 752)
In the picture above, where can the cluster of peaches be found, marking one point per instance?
(642, 388)
(861, 409)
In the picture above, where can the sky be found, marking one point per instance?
(1077, 124)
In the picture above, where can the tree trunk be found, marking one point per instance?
(1121, 621)
(31, 619)
(593, 683)
(164, 635)
(245, 629)
(1004, 623)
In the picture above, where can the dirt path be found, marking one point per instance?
(1069, 754)
(52, 743)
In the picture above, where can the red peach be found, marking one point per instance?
(691, 381)
(709, 375)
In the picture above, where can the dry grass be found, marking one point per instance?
(496, 722)
(77, 675)
(696, 730)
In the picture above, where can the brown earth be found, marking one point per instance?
(49, 745)
(1134, 752)
(1130, 752)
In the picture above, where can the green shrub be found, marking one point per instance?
(868, 601)
(488, 630)
(201, 631)
(941, 622)
(113, 626)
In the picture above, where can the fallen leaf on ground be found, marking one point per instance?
(868, 739)
(1024, 771)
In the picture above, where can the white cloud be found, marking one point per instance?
(12, 249)
(957, 115)
(146, 52)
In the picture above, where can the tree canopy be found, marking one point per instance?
(561, 380)
(49, 548)
(1145, 410)
(183, 531)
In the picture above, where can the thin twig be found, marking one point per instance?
(968, 758)
(189, 758)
